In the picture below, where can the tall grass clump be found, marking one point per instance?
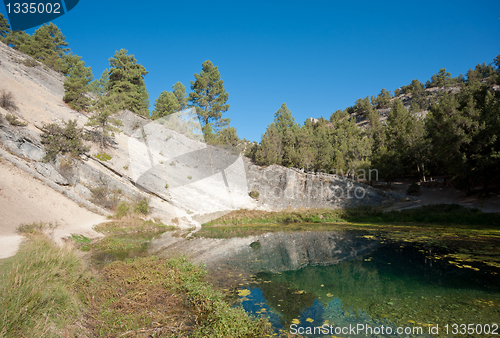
(37, 297)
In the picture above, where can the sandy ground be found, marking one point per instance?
(444, 195)
(24, 200)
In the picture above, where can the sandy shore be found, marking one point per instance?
(24, 200)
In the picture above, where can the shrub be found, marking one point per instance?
(190, 177)
(413, 189)
(7, 101)
(254, 194)
(105, 197)
(122, 209)
(14, 121)
(103, 157)
(35, 227)
(62, 140)
(166, 185)
(142, 206)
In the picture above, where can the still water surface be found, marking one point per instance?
(395, 283)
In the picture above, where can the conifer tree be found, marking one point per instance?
(103, 121)
(270, 149)
(4, 27)
(382, 100)
(209, 97)
(179, 91)
(126, 83)
(76, 85)
(99, 87)
(47, 45)
(166, 104)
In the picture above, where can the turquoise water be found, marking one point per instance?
(403, 285)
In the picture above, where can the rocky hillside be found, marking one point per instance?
(165, 160)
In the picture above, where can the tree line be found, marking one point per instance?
(449, 126)
(122, 86)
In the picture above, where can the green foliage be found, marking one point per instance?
(103, 121)
(37, 288)
(46, 45)
(209, 97)
(179, 91)
(463, 130)
(126, 82)
(363, 106)
(190, 177)
(440, 79)
(165, 105)
(123, 209)
(4, 27)
(103, 157)
(270, 149)
(76, 84)
(383, 100)
(17, 39)
(254, 194)
(14, 121)
(142, 206)
(101, 86)
(227, 136)
(7, 101)
(63, 140)
(413, 189)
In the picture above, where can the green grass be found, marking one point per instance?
(443, 214)
(37, 290)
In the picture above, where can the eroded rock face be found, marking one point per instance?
(280, 188)
(272, 252)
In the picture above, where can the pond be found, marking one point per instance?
(358, 283)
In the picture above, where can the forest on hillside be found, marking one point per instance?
(448, 126)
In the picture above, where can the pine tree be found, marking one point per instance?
(440, 79)
(180, 94)
(76, 85)
(363, 106)
(209, 97)
(165, 105)
(4, 27)
(270, 149)
(47, 45)
(101, 86)
(383, 100)
(103, 121)
(126, 82)
(228, 137)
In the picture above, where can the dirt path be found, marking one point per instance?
(24, 200)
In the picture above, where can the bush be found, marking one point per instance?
(122, 209)
(105, 197)
(142, 206)
(14, 121)
(7, 101)
(62, 140)
(103, 157)
(254, 194)
(413, 189)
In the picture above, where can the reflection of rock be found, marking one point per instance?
(276, 252)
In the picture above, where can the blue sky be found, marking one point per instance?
(316, 56)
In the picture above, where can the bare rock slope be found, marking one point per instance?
(165, 161)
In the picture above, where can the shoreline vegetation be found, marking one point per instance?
(113, 288)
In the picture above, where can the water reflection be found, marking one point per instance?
(397, 284)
